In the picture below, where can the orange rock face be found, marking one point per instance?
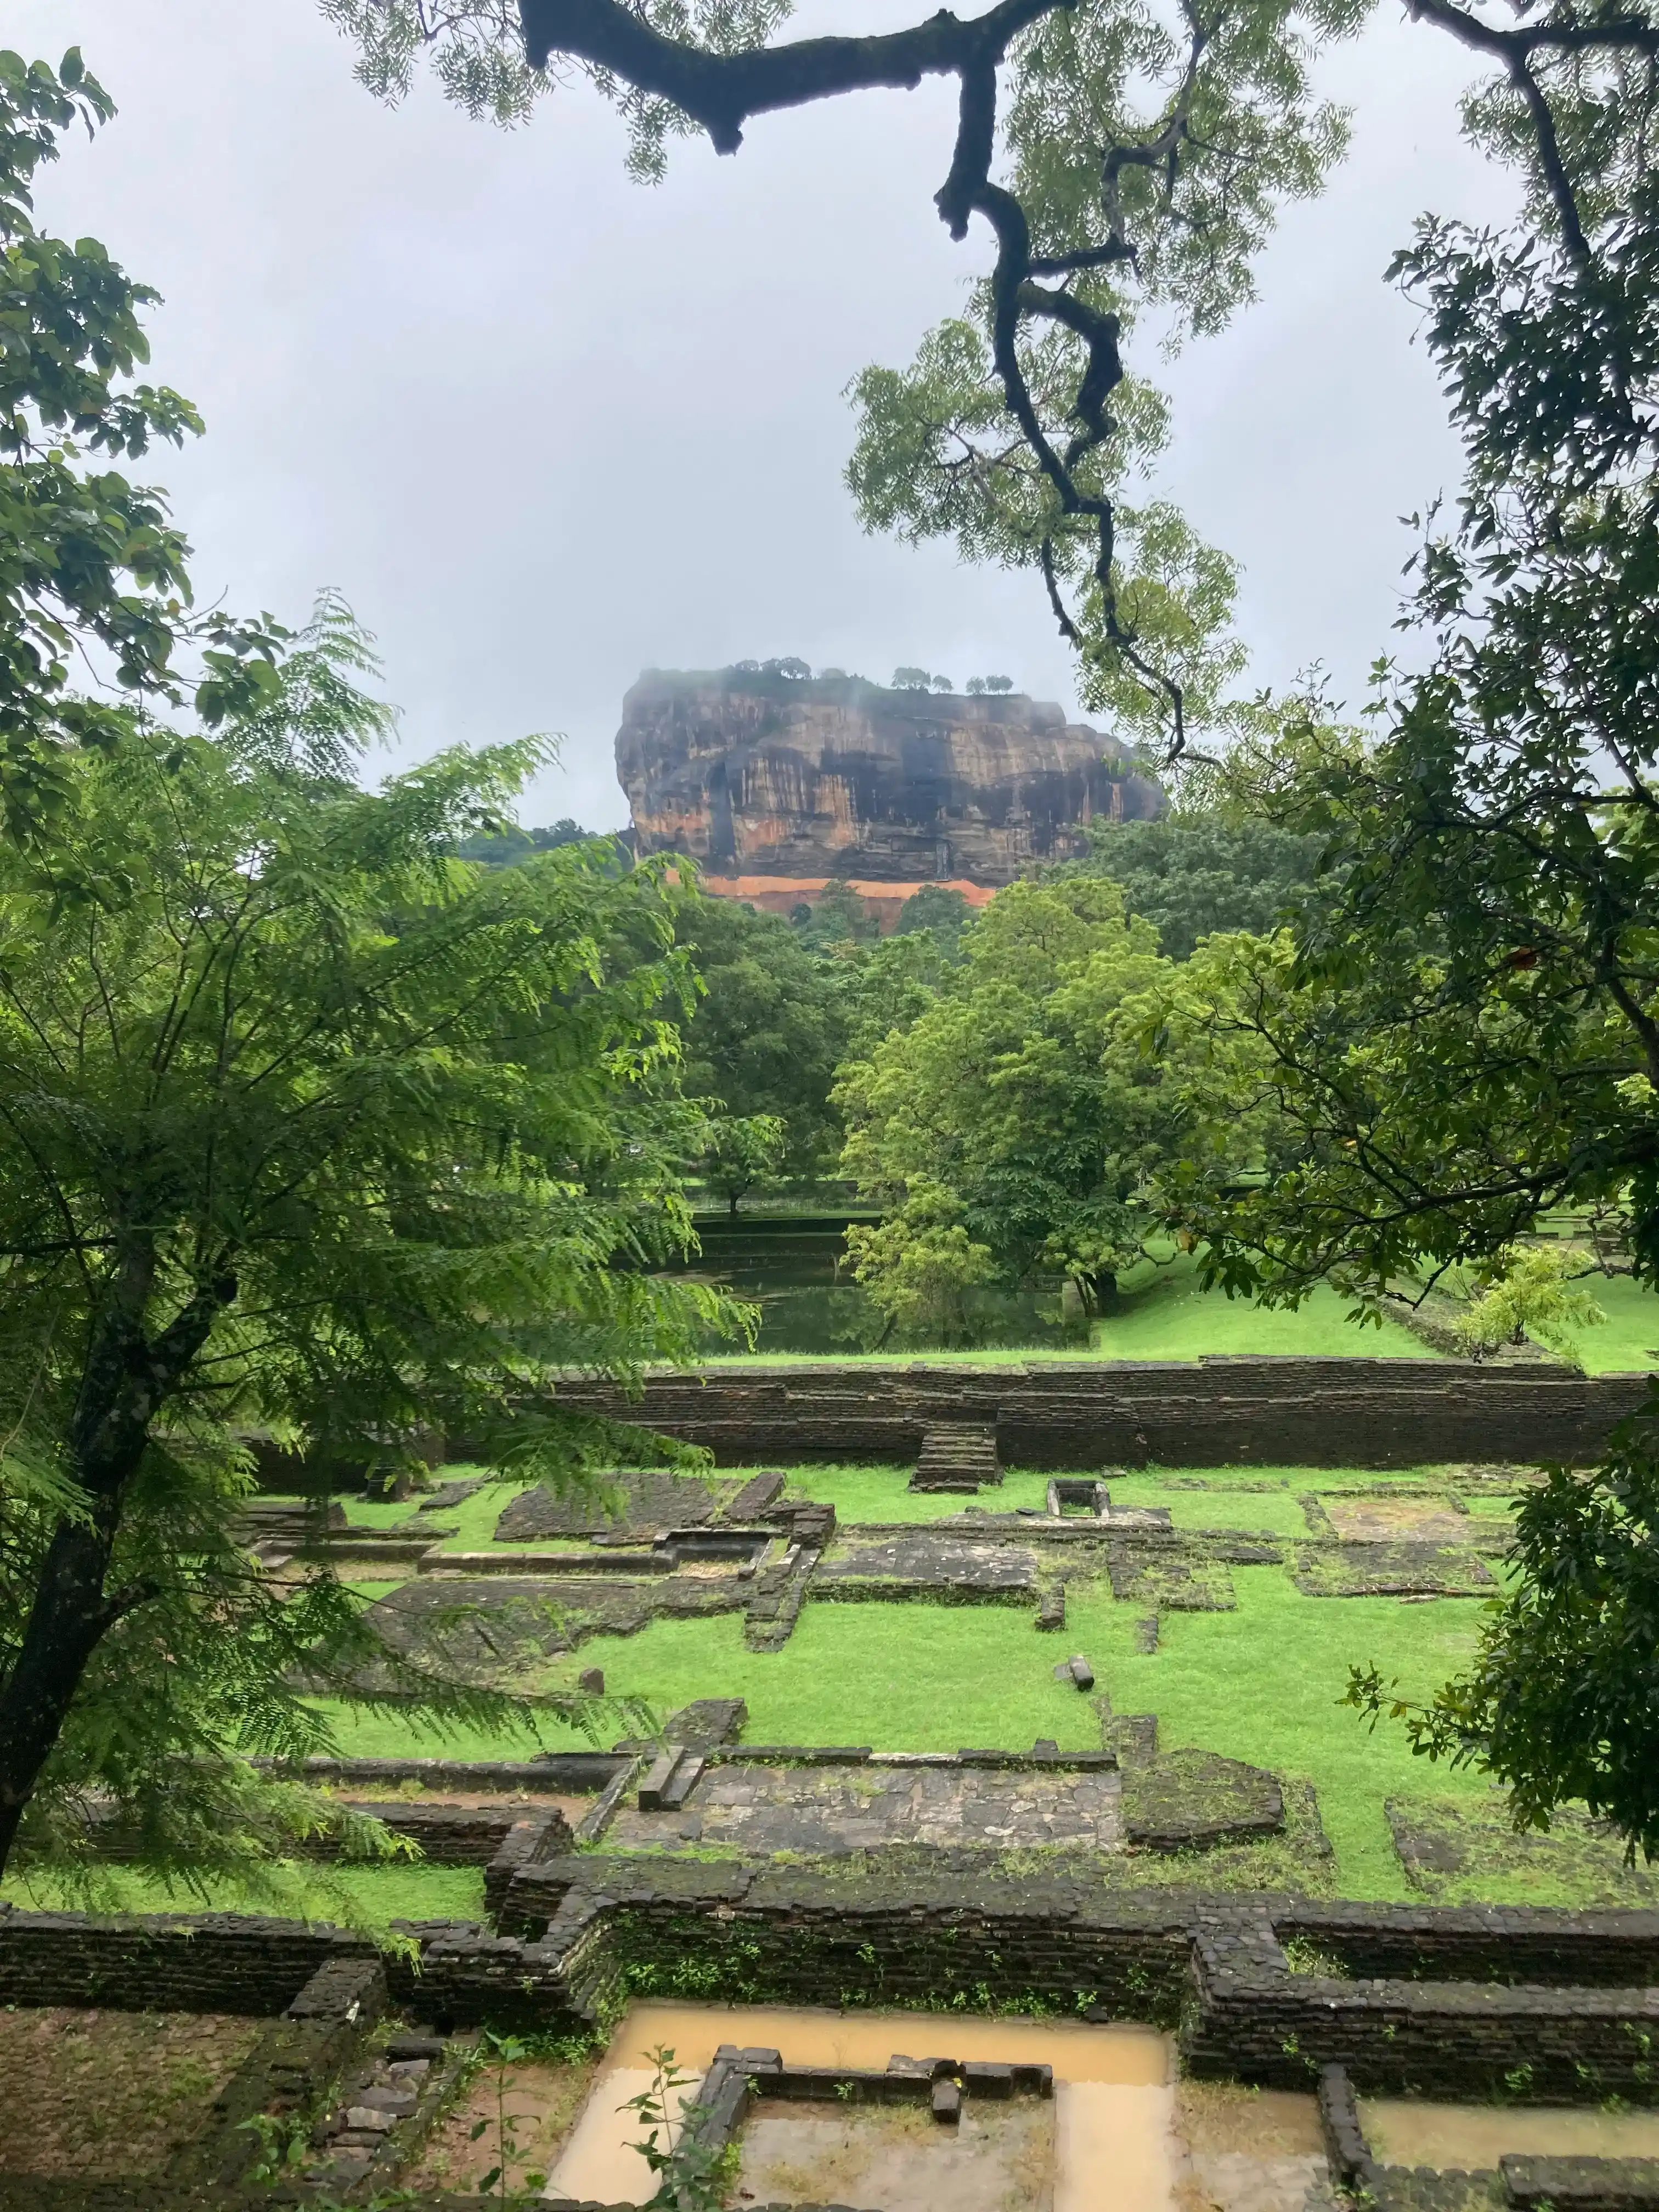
(756, 774)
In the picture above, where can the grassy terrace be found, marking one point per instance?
(1262, 1683)
(371, 1897)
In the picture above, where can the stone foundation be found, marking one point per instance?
(1089, 1414)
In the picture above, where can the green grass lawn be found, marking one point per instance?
(1166, 1314)
(368, 1897)
(1629, 1339)
(1262, 1684)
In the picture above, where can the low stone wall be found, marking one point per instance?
(222, 1962)
(1482, 1943)
(1253, 2021)
(1209, 1412)
(1551, 2006)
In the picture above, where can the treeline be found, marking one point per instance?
(985, 1078)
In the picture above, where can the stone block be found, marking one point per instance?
(658, 1776)
(1185, 1799)
(983, 2078)
(707, 1722)
(1583, 2185)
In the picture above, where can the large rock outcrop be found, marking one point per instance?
(761, 774)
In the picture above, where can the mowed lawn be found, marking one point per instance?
(369, 1897)
(1165, 1313)
(1627, 1342)
(1263, 1683)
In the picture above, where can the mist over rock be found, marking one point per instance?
(758, 774)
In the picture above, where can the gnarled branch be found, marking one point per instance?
(722, 91)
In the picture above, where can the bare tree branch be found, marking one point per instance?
(722, 91)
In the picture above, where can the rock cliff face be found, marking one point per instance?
(760, 774)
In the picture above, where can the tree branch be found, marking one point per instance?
(722, 91)
(1514, 49)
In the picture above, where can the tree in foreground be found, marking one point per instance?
(1119, 157)
(1467, 1037)
(1559, 1702)
(306, 1126)
(91, 566)
(1124, 159)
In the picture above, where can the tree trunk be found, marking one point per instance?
(123, 1383)
(66, 1623)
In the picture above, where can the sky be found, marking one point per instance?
(545, 426)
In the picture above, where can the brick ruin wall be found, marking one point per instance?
(1210, 1412)
(1435, 2002)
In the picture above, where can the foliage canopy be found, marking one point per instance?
(1014, 1128)
(90, 562)
(304, 1126)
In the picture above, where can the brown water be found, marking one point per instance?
(1466, 2137)
(1112, 2096)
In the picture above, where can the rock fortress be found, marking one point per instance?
(778, 784)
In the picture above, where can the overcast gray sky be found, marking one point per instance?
(545, 427)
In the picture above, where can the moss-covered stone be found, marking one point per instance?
(1457, 1853)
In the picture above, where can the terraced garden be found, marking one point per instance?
(1226, 1605)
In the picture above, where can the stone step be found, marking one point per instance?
(957, 1457)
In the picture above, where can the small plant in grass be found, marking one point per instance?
(691, 2175)
(282, 2147)
(500, 2053)
(1303, 1957)
(1530, 1290)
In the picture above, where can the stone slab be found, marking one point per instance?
(829, 1810)
(1392, 1569)
(651, 1499)
(919, 1563)
(1180, 1800)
